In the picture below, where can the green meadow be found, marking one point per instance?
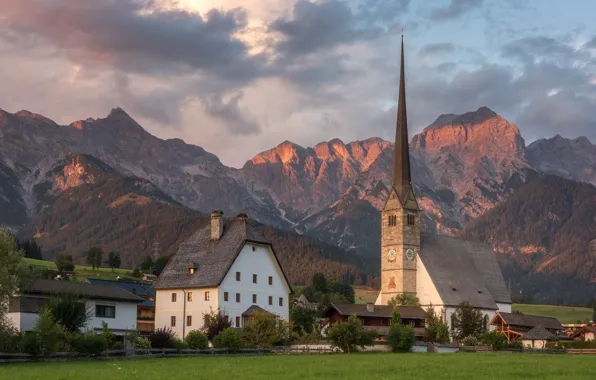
(82, 272)
(378, 366)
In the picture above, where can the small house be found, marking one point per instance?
(378, 317)
(109, 304)
(515, 326)
(586, 333)
(538, 337)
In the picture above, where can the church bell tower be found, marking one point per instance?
(400, 218)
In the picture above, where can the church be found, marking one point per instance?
(441, 271)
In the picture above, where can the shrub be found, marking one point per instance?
(303, 319)
(435, 328)
(215, 322)
(162, 338)
(493, 339)
(265, 330)
(45, 337)
(107, 334)
(9, 339)
(197, 340)
(136, 273)
(350, 335)
(142, 343)
(179, 344)
(228, 338)
(470, 340)
(117, 346)
(88, 344)
(401, 338)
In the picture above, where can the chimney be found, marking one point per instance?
(216, 224)
(242, 216)
(370, 307)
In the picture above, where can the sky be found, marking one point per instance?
(241, 76)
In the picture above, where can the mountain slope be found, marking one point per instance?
(13, 210)
(84, 202)
(573, 159)
(543, 232)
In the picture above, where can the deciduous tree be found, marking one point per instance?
(95, 257)
(114, 260)
(349, 336)
(14, 272)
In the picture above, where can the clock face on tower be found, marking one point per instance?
(410, 254)
(392, 255)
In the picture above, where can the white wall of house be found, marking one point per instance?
(196, 307)
(589, 336)
(255, 260)
(504, 307)
(125, 317)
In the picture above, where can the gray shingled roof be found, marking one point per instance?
(463, 270)
(530, 321)
(539, 333)
(381, 311)
(91, 291)
(213, 258)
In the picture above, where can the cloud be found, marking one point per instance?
(455, 9)
(229, 112)
(133, 36)
(437, 48)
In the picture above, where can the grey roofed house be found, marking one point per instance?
(211, 259)
(530, 321)
(137, 288)
(377, 311)
(91, 291)
(463, 270)
(539, 333)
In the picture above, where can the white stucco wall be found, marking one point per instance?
(589, 336)
(165, 309)
(262, 263)
(425, 288)
(504, 307)
(126, 315)
(23, 321)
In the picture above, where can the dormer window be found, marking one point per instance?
(191, 270)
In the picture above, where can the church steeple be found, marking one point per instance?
(402, 178)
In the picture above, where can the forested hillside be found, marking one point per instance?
(543, 234)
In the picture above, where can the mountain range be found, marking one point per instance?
(53, 176)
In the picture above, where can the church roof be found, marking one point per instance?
(402, 178)
(211, 259)
(463, 271)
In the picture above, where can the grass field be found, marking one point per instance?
(82, 272)
(565, 314)
(356, 366)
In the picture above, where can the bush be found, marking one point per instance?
(265, 330)
(401, 338)
(70, 311)
(88, 344)
(228, 338)
(9, 339)
(470, 340)
(197, 340)
(350, 335)
(107, 334)
(142, 343)
(303, 319)
(162, 338)
(179, 344)
(47, 335)
(435, 328)
(117, 346)
(215, 322)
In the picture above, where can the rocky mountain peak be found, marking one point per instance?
(286, 152)
(469, 118)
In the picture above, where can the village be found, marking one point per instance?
(226, 289)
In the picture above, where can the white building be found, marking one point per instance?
(112, 305)
(441, 271)
(227, 266)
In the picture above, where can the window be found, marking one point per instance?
(189, 296)
(411, 220)
(254, 278)
(281, 301)
(173, 297)
(237, 297)
(270, 300)
(237, 321)
(189, 320)
(191, 270)
(392, 220)
(413, 323)
(173, 321)
(226, 296)
(254, 298)
(237, 276)
(207, 296)
(105, 311)
(270, 280)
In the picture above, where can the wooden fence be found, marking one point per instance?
(162, 352)
(582, 351)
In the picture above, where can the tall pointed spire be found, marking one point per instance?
(401, 157)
